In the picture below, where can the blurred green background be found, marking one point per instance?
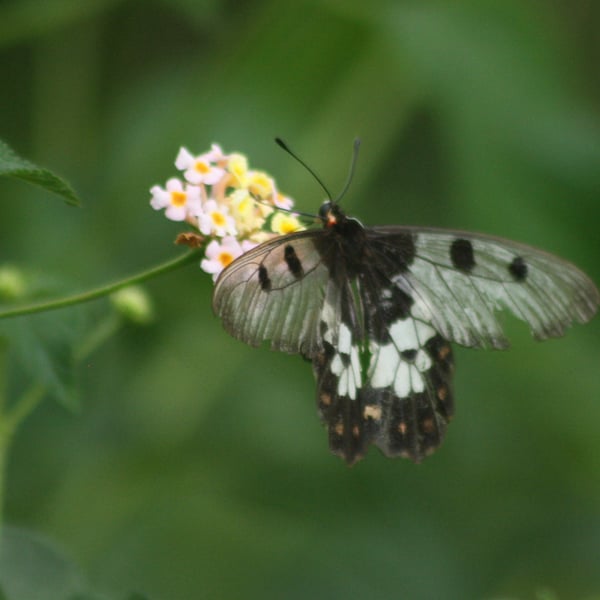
(196, 467)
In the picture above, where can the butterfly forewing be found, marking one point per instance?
(375, 309)
(459, 281)
(275, 292)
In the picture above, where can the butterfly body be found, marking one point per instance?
(375, 309)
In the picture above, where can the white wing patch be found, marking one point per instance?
(345, 363)
(401, 364)
(349, 376)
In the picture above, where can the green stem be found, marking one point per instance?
(3, 372)
(10, 419)
(103, 331)
(103, 290)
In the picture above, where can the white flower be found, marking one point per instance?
(220, 255)
(180, 201)
(216, 153)
(200, 169)
(248, 245)
(214, 219)
(282, 201)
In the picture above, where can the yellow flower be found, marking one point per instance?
(284, 223)
(245, 211)
(238, 169)
(260, 184)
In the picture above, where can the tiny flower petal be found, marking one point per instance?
(220, 255)
(260, 184)
(199, 169)
(247, 245)
(282, 201)
(184, 160)
(238, 168)
(180, 201)
(284, 223)
(258, 237)
(214, 219)
(245, 211)
(215, 154)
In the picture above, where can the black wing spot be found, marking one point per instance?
(264, 279)
(461, 255)
(345, 359)
(518, 268)
(384, 306)
(293, 262)
(397, 305)
(409, 355)
(323, 328)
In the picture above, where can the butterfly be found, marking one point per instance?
(375, 310)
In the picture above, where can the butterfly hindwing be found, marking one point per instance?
(386, 378)
(403, 406)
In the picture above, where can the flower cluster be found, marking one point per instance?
(234, 207)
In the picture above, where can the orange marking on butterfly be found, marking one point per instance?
(371, 411)
(428, 425)
(325, 399)
(443, 352)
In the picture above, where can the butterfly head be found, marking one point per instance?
(331, 214)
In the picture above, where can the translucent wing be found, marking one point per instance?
(275, 292)
(458, 281)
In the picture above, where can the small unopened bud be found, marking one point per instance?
(134, 304)
(12, 283)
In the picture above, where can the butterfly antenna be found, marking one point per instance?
(355, 149)
(292, 211)
(285, 147)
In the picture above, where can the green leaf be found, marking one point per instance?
(45, 349)
(33, 568)
(42, 351)
(12, 165)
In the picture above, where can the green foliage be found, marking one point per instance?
(35, 568)
(197, 466)
(12, 165)
(43, 350)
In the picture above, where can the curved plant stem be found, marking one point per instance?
(101, 291)
(11, 418)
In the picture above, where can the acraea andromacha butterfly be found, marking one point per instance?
(375, 309)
